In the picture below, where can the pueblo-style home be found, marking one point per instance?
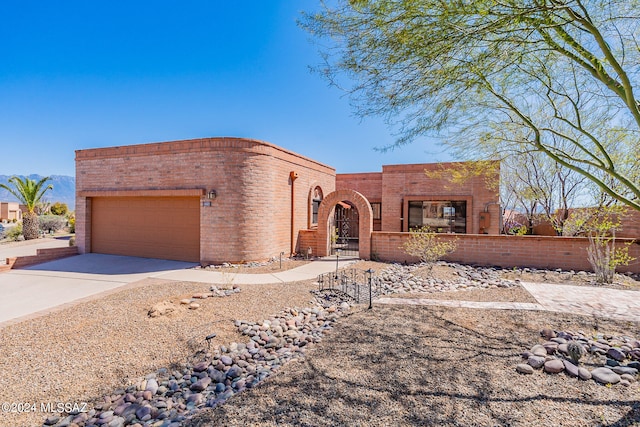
(232, 199)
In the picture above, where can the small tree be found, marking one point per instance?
(600, 226)
(14, 233)
(29, 192)
(426, 245)
(51, 223)
(59, 208)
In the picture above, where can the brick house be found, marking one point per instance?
(233, 199)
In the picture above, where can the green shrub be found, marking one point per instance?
(59, 209)
(426, 245)
(14, 233)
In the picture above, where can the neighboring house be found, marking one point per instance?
(10, 211)
(233, 199)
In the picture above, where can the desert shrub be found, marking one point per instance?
(59, 209)
(72, 224)
(14, 233)
(426, 245)
(51, 223)
(72, 241)
(600, 226)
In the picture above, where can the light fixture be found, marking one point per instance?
(212, 195)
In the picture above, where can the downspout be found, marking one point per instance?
(292, 176)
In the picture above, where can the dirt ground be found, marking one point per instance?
(270, 267)
(407, 366)
(387, 366)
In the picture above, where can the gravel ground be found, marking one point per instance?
(456, 367)
(514, 294)
(82, 352)
(259, 267)
(379, 366)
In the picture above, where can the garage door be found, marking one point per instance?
(149, 227)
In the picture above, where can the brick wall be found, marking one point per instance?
(251, 217)
(399, 184)
(42, 255)
(568, 253)
(367, 184)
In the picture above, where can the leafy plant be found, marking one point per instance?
(72, 223)
(29, 193)
(59, 208)
(426, 245)
(14, 233)
(602, 253)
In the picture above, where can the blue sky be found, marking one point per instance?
(78, 74)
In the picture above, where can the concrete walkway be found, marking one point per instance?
(585, 300)
(38, 289)
(305, 272)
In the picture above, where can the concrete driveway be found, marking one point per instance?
(31, 291)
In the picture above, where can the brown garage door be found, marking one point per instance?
(149, 227)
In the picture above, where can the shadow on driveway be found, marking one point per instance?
(111, 265)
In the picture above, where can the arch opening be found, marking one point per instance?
(345, 223)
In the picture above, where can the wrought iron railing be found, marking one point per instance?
(352, 284)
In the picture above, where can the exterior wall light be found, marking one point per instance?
(211, 195)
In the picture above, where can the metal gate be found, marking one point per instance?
(345, 237)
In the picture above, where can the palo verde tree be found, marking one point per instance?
(29, 193)
(503, 77)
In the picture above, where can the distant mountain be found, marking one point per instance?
(64, 189)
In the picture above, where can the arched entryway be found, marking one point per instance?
(357, 207)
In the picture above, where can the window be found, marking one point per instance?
(315, 204)
(377, 210)
(440, 216)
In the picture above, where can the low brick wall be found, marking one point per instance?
(307, 239)
(42, 255)
(568, 253)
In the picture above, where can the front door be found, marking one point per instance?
(344, 240)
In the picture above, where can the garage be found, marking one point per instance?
(149, 227)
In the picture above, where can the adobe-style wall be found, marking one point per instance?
(368, 184)
(402, 183)
(396, 185)
(250, 219)
(568, 253)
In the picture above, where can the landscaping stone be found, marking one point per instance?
(605, 376)
(523, 368)
(616, 349)
(554, 366)
(570, 368)
(536, 361)
(584, 374)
